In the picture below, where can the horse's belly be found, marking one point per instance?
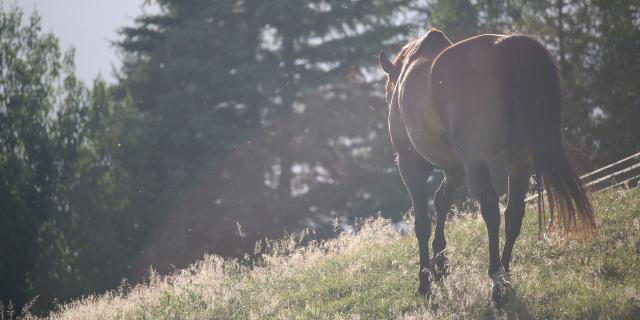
(434, 146)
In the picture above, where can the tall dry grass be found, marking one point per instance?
(372, 274)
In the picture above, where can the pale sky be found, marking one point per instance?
(89, 26)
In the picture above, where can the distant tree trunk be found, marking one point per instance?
(255, 167)
(561, 45)
(254, 105)
(288, 99)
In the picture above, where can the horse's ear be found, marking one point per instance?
(387, 66)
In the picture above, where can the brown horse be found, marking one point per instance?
(457, 107)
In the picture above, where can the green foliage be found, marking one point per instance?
(614, 76)
(458, 19)
(371, 274)
(64, 191)
(32, 161)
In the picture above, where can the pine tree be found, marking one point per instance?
(248, 101)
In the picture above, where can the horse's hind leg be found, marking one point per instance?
(519, 175)
(414, 171)
(442, 202)
(481, 187)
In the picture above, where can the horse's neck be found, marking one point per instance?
(416, 104)
(424, 123)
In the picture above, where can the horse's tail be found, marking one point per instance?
(534, 98)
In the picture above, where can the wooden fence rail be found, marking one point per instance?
(622, 173)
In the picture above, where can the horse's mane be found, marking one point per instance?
(401, 59)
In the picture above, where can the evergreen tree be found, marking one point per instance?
(262, 116)
(614, 76)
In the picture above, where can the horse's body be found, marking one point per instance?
(457, 107)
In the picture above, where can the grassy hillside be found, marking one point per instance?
(372, 275)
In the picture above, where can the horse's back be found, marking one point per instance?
(466, 84)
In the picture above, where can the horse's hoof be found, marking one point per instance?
(502, 293)
(425, 285)
(423, 291)
(440, 265)
(425, 282)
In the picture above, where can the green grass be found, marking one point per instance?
(372, 274)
